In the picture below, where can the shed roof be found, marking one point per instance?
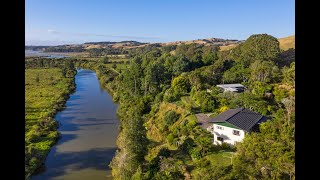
(230, 85)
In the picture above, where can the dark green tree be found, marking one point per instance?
(105, 60)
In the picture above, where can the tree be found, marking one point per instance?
(180, 85)
(261, 71)
(250, 101)
(114, 66)
(195, 79)
(180, 65)
(289, 104)
(257, 47)
(205, 100)
(153, 77)
(170, 169)
(236, 74)
(170, 117)
(105, 60)
(210, 58)
(134, 75)
(269, 154)
(289, 74)
(168, 65)
(131, 140)
(204, 143)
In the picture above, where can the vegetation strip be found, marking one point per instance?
(47, 90)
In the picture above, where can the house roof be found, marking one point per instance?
(240, 117)
(230, 85)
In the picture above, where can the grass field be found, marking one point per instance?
(220, 158)
(228, 47)
(46, 90)
(118, 66)
(287, 42)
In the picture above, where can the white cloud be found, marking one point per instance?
(53, 31)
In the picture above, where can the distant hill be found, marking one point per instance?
(287, 42)
(131, 44)
(224, 44)
(206, 42)
(121, 44)
(36, 48)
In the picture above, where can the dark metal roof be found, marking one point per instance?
(240, 117)
(225, 115)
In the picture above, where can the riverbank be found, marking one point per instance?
(46, 91)
(89, 129)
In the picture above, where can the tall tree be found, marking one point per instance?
(257, 47)
(268, 154)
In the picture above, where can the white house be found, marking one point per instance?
(232, 87)
(231, 126)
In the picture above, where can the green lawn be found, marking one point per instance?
(40, 97)
(45, 92)
(118, 66)
(119, 60)
(220, 158)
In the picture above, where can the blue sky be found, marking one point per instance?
(53, 22)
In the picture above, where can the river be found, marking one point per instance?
(89, 129)
(29, 53)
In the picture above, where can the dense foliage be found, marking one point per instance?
(162, 89)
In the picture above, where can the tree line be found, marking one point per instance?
(158, 75)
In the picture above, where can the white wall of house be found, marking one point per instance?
(227, 134)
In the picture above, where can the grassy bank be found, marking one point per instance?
(46, 91)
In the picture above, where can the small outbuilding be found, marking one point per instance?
(232, 87)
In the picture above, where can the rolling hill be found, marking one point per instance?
(287, 42)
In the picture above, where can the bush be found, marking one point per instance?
(187, 145)
(191, 124)
(170, 138)
(170, 95)
(170, 117)
(164, 152)
(180, 85)
(195, 153)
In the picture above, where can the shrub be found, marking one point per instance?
(170, 117)
(170, 138)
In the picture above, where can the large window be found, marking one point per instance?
(235, 132)
(219, 127)
(220, 139)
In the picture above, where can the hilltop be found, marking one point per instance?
(224, 44)
(206, 42)
(287, 42)
(130, 44)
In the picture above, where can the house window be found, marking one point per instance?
(220, 139)
(219, 127)
(235, 132)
